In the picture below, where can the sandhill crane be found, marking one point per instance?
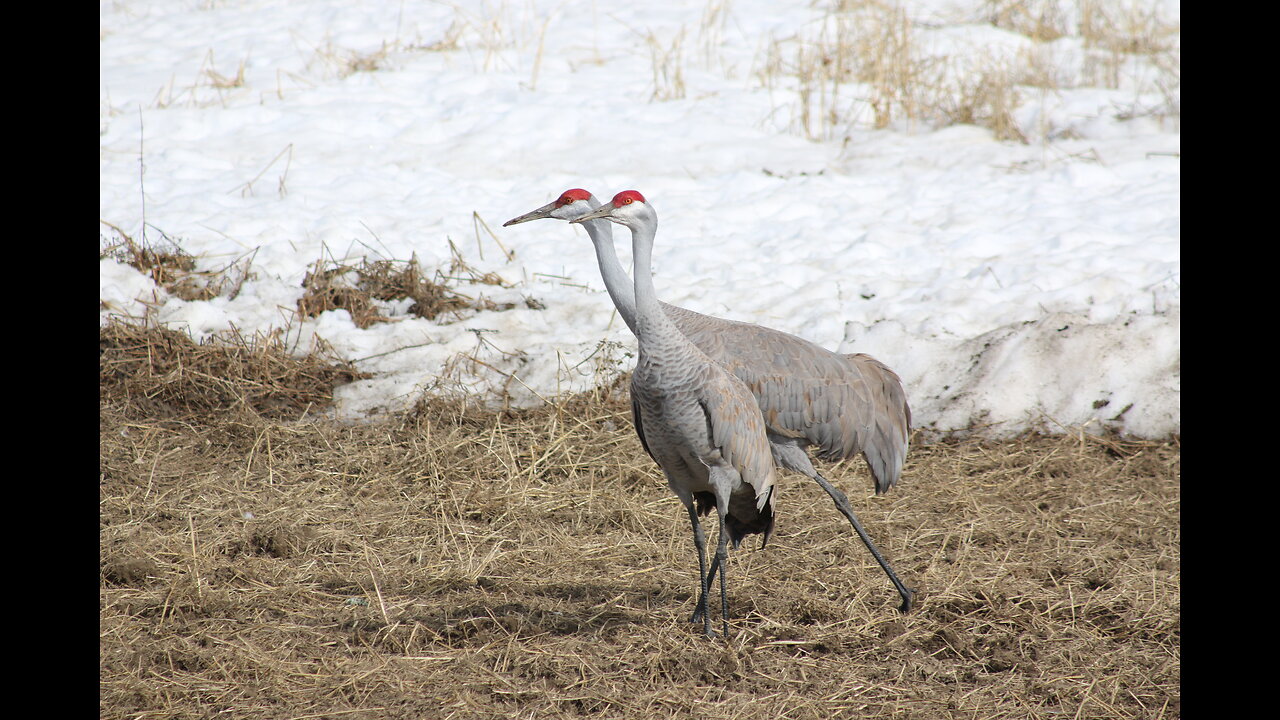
(698, 421)
(840, 404)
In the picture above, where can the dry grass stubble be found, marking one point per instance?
(462, 564)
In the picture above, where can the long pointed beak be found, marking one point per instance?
(540, 213)
(602, 211)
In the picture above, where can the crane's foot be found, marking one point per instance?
(708, 632)
(907, 598)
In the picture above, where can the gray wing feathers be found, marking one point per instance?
(841, 404)
(738, 431)
(635, 419)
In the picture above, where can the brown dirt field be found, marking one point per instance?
(454, 563)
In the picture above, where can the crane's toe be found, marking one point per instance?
(907, 599)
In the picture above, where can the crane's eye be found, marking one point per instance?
(626, 201)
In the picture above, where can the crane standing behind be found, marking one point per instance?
(699, 422)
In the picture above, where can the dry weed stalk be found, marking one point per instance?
(1040, 20)
(493, 32)
(667, 65)
(344, 62)
(196, 94)
(217, 81)
(862, 65)
(246, 188)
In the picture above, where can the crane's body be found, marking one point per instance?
(699, 422)
(840, 405)
(704, 430)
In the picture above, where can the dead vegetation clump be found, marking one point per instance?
(161, 372)
(364, 289)
(455, 562)
(327, 289)
(171, 267)
(385, 281)
(164, 265)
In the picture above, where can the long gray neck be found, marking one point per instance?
(615, 278)
(651, 321)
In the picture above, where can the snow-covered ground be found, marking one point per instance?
(1011, 285)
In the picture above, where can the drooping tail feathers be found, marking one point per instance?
(743, 518)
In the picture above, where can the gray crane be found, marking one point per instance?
(697, 420)
(840, 404)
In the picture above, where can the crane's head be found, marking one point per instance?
(570, 205)
(627, 208)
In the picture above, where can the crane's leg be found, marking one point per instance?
(842, 504)
(789, 453)
(711, 577)
(722, 555)
(700, 541)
